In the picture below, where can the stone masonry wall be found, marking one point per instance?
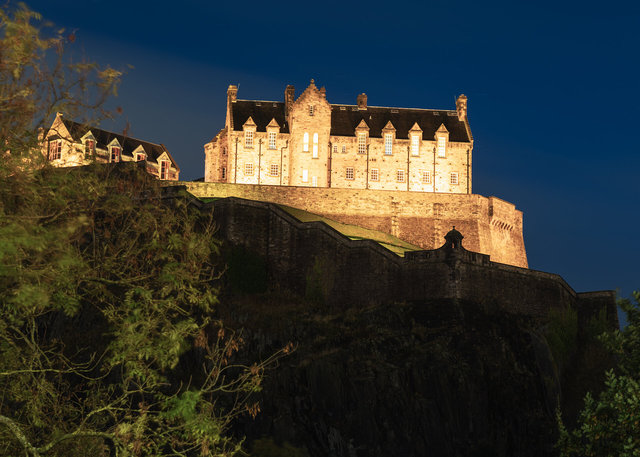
(490, 225)
(361, 273)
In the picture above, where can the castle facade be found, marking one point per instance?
(309, 142)
(402, 171)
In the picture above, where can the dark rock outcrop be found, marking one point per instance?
(442, 378)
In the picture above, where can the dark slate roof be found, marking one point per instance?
(260, 112)
(344, 121)
(104, 137)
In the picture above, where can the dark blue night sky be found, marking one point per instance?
(552, 87)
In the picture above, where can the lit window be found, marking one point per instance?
(349, 173)
(89, 148)
(315, 146)
(305, 175)
(223, 173)
(442, 146)
(375, 176)
(335, 149)
(311, 108)
(248, 139)
(55, 149)
(426, 177)
(248, 169)
(272, 140)
(314, 181)
(115, 154)
(362, 143)
(454, 178)
(140, 156)
(164, 169)
(344, 149)
(415, 145)
(400, 176)
(388, 144)
(274, 170)
(305, 142)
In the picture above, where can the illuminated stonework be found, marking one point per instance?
(403, 171)
(318, 144)
(70, 144)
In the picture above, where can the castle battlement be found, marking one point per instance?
(362, 272)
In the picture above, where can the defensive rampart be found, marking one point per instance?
(361, 272)
(490, 225)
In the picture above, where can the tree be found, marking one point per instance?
(610, 425)
(109, 343)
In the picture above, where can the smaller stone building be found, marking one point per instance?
(309, 142)
(69, 144)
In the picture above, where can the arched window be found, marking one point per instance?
(305, 142)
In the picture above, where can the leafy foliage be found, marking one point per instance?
(610, 424)
(109, 343)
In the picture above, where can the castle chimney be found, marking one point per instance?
(461, 107)
(289, 96)
(362, 101)
(232, 93)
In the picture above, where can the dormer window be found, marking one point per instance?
(362, 143)
(115, 154)
(248, 139)
(305, 142)
(415, 145)
(442, 146)
(272, 140)
(388, 144)
(164, 169)
(89, 147)
(55, 149)
(311, 110)
(315, 146)
(140, 156)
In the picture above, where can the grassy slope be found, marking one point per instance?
(354, 232)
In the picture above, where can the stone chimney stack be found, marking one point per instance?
(289, 98)
(362, 101)
(232, 93)
(461, 107)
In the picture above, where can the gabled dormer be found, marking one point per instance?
(415, 138)
(88, 141)
(362, 134)
(139, 154)
(273, 128)
(115, 151)
(164, 165)
(442, 140)
(389, 137)
(249, 129)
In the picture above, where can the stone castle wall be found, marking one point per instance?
(362, 273)
(490, 225)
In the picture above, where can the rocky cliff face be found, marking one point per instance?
(438, 378)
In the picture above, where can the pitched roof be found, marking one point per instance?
(104, 138)
(345, 119)
(260, 112)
